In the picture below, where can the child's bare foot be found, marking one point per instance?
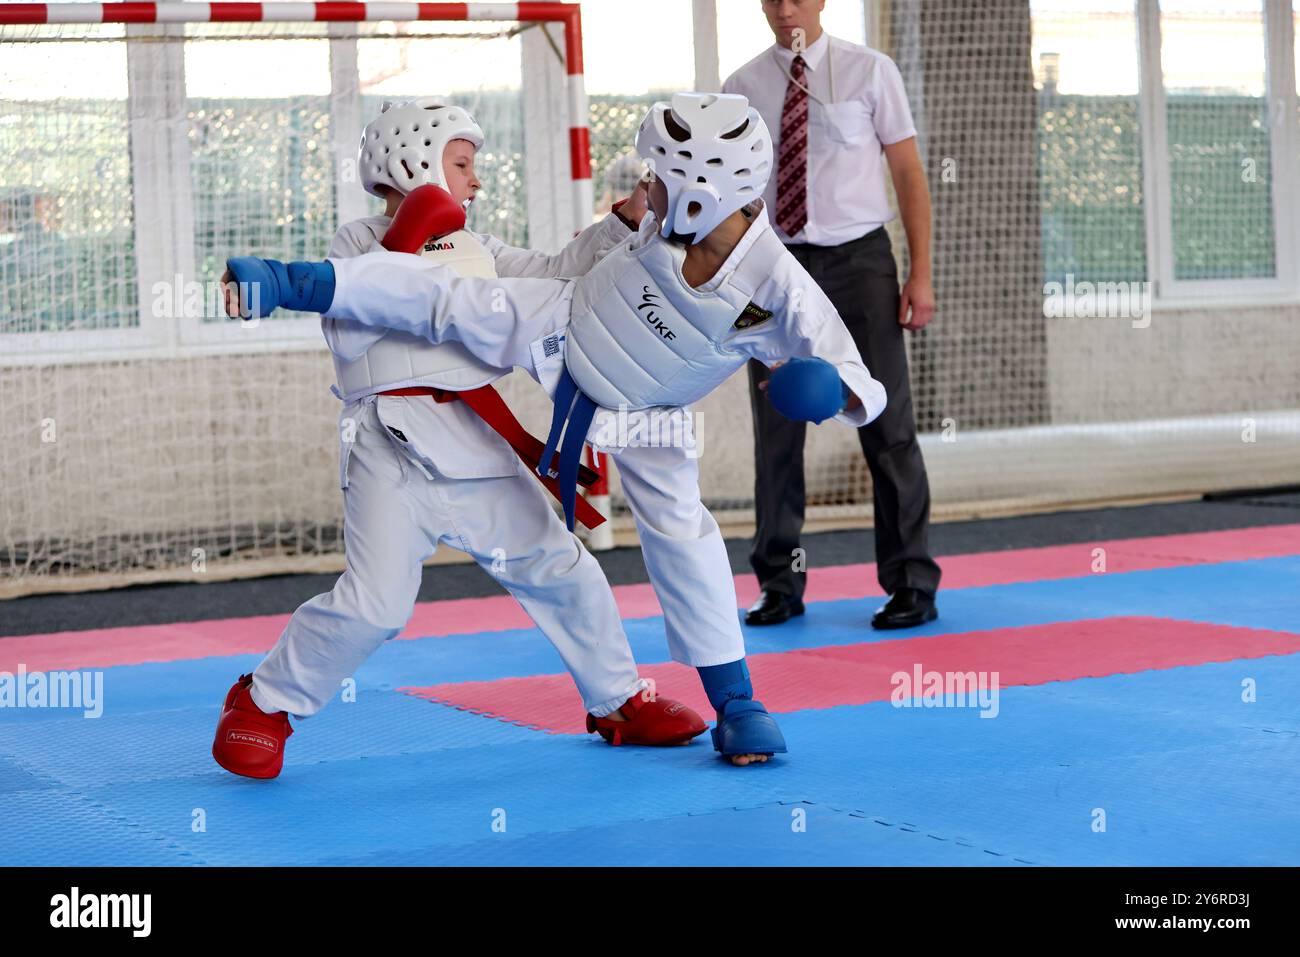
(740, 760)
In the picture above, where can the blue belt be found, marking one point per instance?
(572, 418)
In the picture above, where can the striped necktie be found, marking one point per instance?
(792, 165)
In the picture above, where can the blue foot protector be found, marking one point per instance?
(744, 726)
(267, 284)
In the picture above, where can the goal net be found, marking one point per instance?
(145, 435)
(1113, 187)
(1114, 209)
(1094, 341)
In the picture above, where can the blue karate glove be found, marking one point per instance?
(807, 390)
(267, 284)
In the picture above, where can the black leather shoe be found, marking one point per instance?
(906, 608)
(772, 609)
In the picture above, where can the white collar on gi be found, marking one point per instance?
(649, 231)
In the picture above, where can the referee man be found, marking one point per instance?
(844, 125)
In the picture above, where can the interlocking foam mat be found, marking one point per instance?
(1144, 715)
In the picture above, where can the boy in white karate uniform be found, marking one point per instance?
(419, 468)
(662, 320)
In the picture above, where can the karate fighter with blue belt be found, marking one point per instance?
(661, 321)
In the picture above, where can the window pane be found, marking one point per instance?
(621, 87)
(66, 234)
(1213, 54)
(1090, 164)
(468, 68)
(260, 153)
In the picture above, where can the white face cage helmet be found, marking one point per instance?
(713, 153)
(403, 147)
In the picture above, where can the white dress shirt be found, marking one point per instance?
(847, 130)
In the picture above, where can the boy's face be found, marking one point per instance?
(458, 170)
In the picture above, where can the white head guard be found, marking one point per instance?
(403, 147)
(713, 153)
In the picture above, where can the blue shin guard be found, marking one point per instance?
(744, 726)
(267, 284)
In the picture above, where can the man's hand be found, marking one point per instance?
(914, 206)
(918, 298)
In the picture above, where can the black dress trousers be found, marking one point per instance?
(861, 280)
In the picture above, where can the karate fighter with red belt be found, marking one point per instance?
(430, 455)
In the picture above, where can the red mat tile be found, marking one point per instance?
(107, 647)
(858, 674)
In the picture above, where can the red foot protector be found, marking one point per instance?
(249, 741)
(859, 674)
(658, 723)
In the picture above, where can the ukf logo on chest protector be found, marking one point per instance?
(640, 336)
(650, 301)
(400, 360)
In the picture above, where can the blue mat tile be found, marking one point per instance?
(1185, 771)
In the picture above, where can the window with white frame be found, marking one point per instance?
(66, 221)
(618, 97)
(1085, 65)
(137, 158)
(259, 148)
(1218, 139)
(1166, 132)
(1167, 140)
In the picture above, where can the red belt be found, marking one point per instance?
(492, 409)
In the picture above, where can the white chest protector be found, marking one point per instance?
(399, 360)
(639, 336)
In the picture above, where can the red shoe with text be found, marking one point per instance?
(654, 722)
(249, 741)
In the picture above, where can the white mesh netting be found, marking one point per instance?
(139, 444)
